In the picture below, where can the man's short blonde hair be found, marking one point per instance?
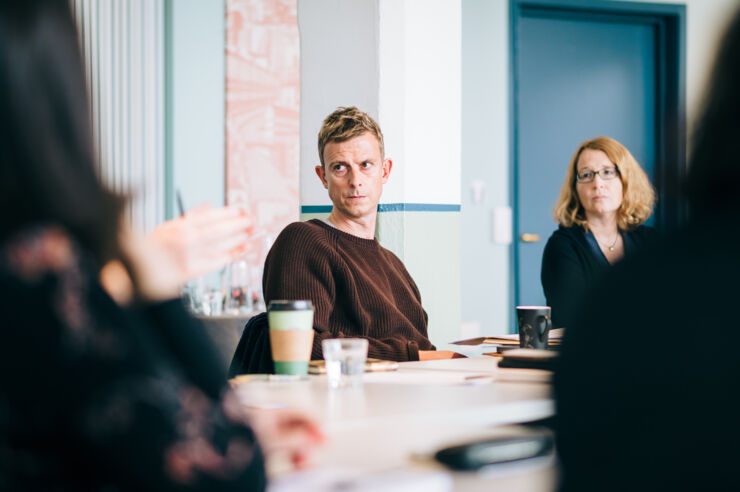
(638, 195)
(346, 123)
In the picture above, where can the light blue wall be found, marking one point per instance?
(195, 81)
(485, 158)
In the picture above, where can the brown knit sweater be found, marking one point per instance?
(358, 288)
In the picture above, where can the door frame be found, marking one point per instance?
(670, 165)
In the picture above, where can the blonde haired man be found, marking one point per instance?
(358, 288)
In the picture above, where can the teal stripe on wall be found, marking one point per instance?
(391, 207)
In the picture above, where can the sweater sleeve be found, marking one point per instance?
(424, 344)
(563, 279)
(301, 265)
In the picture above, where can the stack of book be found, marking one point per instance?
(501, 343)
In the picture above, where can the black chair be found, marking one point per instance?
(253, 354)
(225, 332)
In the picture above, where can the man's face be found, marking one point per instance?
(354, 173)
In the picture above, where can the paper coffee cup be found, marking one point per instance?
(291, 335)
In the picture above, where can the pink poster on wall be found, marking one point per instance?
(262, 118)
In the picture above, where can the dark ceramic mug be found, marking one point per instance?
(534, 324)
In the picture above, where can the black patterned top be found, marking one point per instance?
(97, 397)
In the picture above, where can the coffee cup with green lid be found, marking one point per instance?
(291, 335)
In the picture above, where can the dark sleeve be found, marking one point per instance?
(644, 236)
(73, 360)
(563, 278)
(192, 348)
(300, 266)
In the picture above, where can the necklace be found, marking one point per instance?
(614, 243)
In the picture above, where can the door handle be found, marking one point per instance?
(528, 237)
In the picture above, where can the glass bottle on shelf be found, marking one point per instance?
(239, 295)
(194, 293)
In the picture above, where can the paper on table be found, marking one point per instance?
(494, 340)
(274, 378)
(554, 338)
(468, 350)
(435, 378)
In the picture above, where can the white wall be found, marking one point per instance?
(400, 62)
(420, 113)
(420, 97)
(339, 67)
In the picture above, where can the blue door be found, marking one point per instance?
(576, 78)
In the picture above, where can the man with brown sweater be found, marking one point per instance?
(358, 288)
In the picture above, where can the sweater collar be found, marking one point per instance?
(332, 229)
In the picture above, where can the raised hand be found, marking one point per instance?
(205, 239)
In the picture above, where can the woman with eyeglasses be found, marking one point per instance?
(604, 201)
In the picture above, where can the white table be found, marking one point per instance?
(396, 420)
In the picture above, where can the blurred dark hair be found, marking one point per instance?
(47, 163)
(714, 174)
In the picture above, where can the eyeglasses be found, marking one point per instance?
(605, 173)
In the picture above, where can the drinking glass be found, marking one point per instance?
(345, 361)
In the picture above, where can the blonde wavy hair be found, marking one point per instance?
(638, 195)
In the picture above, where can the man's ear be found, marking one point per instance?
(387, 165)
(321, 173)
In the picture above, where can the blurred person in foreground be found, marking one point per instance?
(646, 392)
(95, 395)
(604, 201)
